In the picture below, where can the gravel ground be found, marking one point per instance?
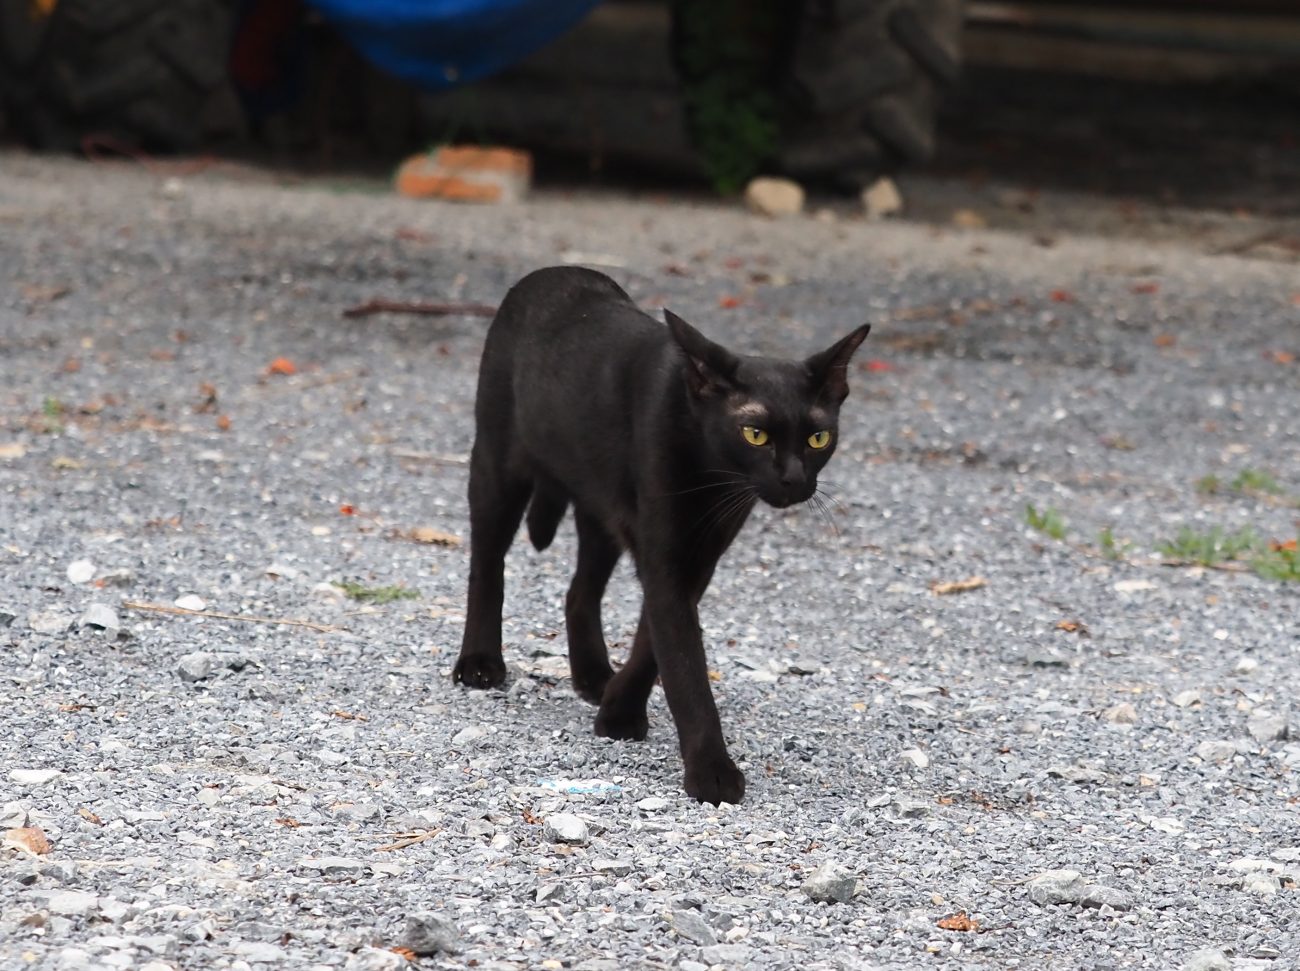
(231, 794)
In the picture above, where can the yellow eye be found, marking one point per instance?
(755, 436)
(819, 439)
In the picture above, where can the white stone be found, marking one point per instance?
(566, 828)
(652, 804)
(33, 777)
(467, 736)
(191, 601)
(916, 757)
(72, 903)
(882, 199)
(101, 617)
(830, 882)
(80, 571)
(774, 197)
(1207, 959)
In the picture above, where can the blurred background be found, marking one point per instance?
(1157, 102)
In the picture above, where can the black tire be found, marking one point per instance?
(138, 71)
(863, 86)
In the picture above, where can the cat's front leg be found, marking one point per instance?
(711, 775)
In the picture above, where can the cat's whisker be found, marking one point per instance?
(817, 501)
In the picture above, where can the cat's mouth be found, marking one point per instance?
(786, 498)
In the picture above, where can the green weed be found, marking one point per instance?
(375, 595)
(1048, 522)
(1280, 562)
(1256, 480)
(1209, 485)
(1210, 548)
(1111, 548)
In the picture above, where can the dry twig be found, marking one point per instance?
(381, 306)
(218, 615)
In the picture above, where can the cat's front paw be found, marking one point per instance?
(477, 671)
(590, 684)
(715, 780)
(629, 726)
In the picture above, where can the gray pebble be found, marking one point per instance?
(7, 617)
(1057, 887)
(430, 933)
(376, 959)
(1122, 714)
(72, 903)
(196, 666)
(1207, 959)
(100, 617)
(1268, 728)
(467, 736)
(690, 925)
(618, 868)
(260, 952)
(1216, 750)
(566, 828)
(334, 866)
(830, 882)
(34, 777)
(49, 622)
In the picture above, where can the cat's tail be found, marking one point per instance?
(544, 514)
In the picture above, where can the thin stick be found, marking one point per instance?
(217, 615)
(381, 306)
(405, 841)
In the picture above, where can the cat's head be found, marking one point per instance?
(776, 423)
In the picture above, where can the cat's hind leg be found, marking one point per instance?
(497, 498)
(588, 657)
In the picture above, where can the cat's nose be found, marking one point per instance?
(792, 476)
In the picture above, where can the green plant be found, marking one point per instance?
(1048, 522)
(1256, 480)
(1111, 548)
(725, 58)
(1209, 485)
(376, 595)
(1281, 562)
(1209, 548)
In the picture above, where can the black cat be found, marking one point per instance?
(662, 441)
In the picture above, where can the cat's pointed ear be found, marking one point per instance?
(829, 369)
(710, 367)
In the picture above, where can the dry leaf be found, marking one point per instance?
(1148, 287)
(282, 365)
(436, 537)
(349, 716)
(968, 219)
(1072, 626)
(1062, 296)
(405, 952)
(223, 423)
(89, 817)
(942, 589)
(1281, 357)
(959, 922)
(32, 839)
(1165, 340)
(729, 303)
(288, 821)
(36, 293)
(12, 450)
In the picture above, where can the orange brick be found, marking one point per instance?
(466, 174)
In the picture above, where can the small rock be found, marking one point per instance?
(191, 601)
(566, 828)
(690, 925)
(260, 952)
(7, 617)
(15, 815)
(376, 959)
(729, 955)
(652, 804)
(196, 666)
(34, 777)
(1260, 882)
(467, 736)
(1098, 896)
(49, 622)
(1268, 728)
(81, 571)
(281, 572)
(1216, 750)
(1135, 586)
(617, 868)
(1122, 714)
(882, 199)
(968, 219)
(117, 577)
(1185, 699)
(72, 903)
(101, 617)
(1245, 665)
(429, 933)
(334, 866)
(774, 197)
(1057, 887)
(1207, 959)
(209, 797)
(691, 966)
(549, 892)
(916, 757)
(830, 882)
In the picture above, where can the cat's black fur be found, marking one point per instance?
(584, 400)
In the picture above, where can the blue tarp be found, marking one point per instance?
(439, 43)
